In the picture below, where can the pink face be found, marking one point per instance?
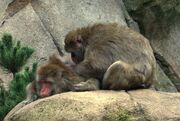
(46, 88)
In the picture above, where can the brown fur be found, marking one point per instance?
(57, 73)
(117, 55)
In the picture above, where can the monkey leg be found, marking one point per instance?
(90, 84)
(123, 76)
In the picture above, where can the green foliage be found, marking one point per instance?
(17, 90)
(120, 115)
(13, 56)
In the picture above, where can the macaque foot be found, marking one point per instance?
(25, 102)
(30, 98)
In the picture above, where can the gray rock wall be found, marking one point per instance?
(3, 5)
(159, 21)
(61, 16)
(43, 24)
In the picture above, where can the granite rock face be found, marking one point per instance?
(27, 27)
(61, 16)
(43, 24)
(159, 22)
(140, 105)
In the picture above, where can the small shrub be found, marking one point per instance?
(13, 56)
(17, 90)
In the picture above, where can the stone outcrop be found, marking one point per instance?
(139, 105)
(159, 22)
(61, 16)
(3, 5)
(27, 27)
(43, 24)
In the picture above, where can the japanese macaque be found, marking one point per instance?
(116, 55)
(55, 77)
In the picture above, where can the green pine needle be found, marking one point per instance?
(17, 90)
(13, 56)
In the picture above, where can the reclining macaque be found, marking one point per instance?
(55, 77)
(106, 56)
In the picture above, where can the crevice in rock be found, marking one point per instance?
(2, 23)
(138, 107)
(56, 44)
(168, 70)
(53, 39)
(130, 22)
(14, 7)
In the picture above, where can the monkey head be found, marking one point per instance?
(46, 77)
(51, 78)
(75, 44)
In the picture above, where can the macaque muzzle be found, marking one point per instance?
(46, 89)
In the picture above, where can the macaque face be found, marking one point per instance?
(76, 48)
(47, 79)
(45, 88)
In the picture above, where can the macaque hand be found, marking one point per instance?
(90, 84)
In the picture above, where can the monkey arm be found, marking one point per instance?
(90, 84)
(86, 70)
(95, 63)
(31, 93)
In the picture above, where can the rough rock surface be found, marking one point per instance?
(158, 106)
(140, 105)
(5, 77)
(27, 27)
(3, 6)
(159, 22)
(169, 48)
(61, 16)
(43, 24)
(163, 83)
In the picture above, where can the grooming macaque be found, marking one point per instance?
(55, 77)
(118, 56)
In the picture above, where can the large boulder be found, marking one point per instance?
(67, 15)
(169, 48)
(159, 22)
(27, 27)
(141, 105)
(163, 83)
(61, 16)
(43, 24)
(3, 6)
